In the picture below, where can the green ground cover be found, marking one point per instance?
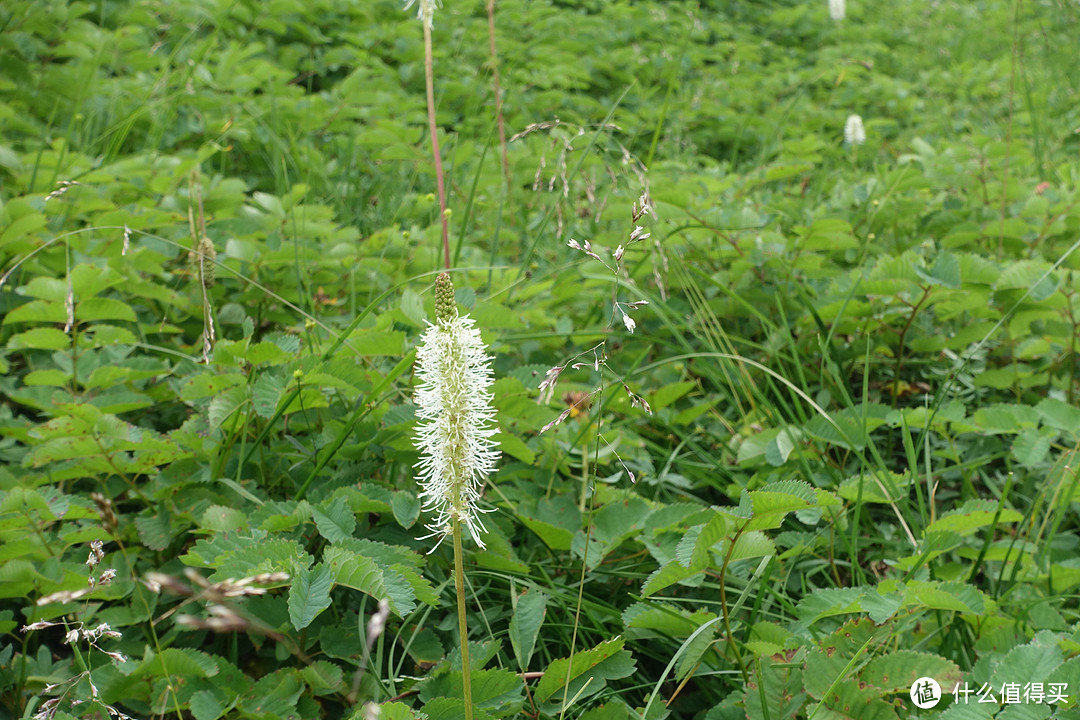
(835, 452)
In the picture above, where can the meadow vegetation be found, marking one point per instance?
(786, 420)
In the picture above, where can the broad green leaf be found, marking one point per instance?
(1056, 414)
(897, 670)
(514, 447)
(226, 403)
(842, 654)
(41, 311)
(447, 708)
(99, 308)
(830, 601)
(364, 574)
(266, 394)
(529, 610)
(177, 661)
(669, 574)
(334, 520)
(971, 516)
(155, 531)
(309, 594)
(204, 706)
(322, 677)
(587, 664)
(780, 688)
(378, 342)
(267, 352)
(497, 692)
(406, 508)
(857, 701)
(40, 339)
(556, 538)
(1030, 448)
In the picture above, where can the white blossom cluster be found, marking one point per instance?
(454, 437)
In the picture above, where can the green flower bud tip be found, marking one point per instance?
(445, 305)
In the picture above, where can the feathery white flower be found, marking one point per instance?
(854, 132)
(453, 401)
(425, 11)
(837, 9)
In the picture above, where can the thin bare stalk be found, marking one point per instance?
(498, 91)
(429, 76)
(463, 631)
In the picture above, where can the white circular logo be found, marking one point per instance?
(925, 693)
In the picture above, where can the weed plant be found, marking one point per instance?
(824, 444)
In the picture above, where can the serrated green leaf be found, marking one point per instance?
(364, 574)
(587, 664)
(322, 676)
(267, 352)
(309, 594)
(177, 661)
(334, 520)
(666, 576)
(529, 611)
(897, 670)
(266, 394)
(446, 708)
(1030, 448)
(225, 404)
(497, 692)
(406, 508)
(40, 339)
(155, 531)
(971, 516)
(1056, 414)
(99, 308)
(204, 706)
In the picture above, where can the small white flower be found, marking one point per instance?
(854, 132)
(628, 322)
(453, 401)
(618, 253)
(837, 9)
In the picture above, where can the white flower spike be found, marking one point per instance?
(837, 11)
(453, 401)
(854, 132)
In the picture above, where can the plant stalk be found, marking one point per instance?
(463, 632)
(429, 74)
(498, 91)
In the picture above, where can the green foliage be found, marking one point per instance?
(835, 452)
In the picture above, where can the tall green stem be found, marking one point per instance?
(459, 583)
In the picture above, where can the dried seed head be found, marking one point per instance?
(203, 260)
(105, 511)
